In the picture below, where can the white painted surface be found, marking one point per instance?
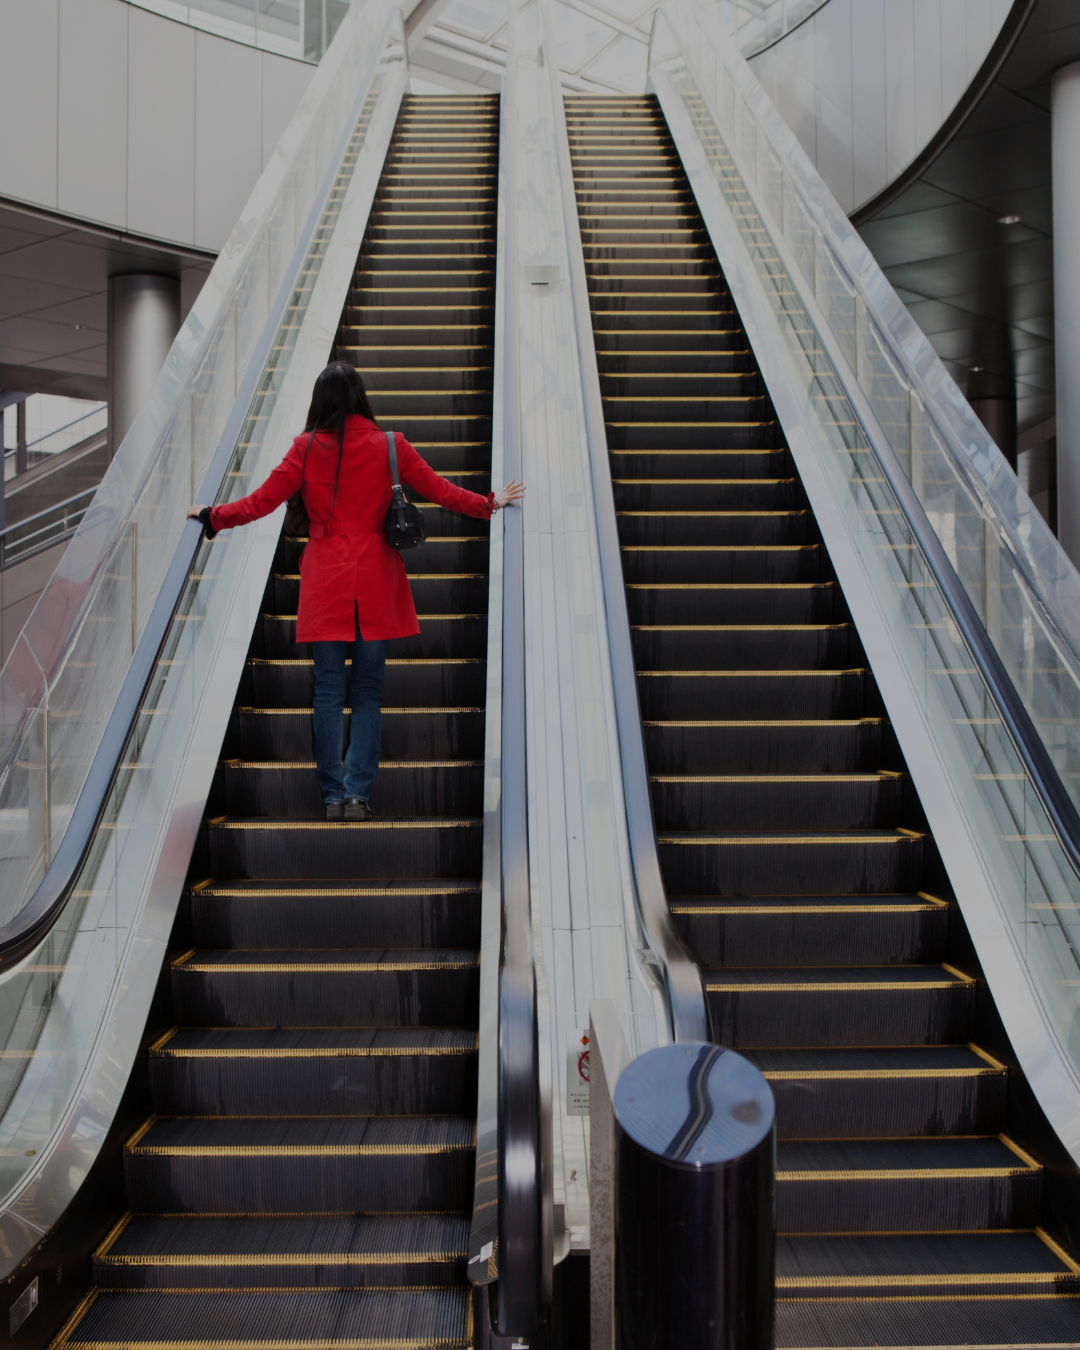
(865, 84)
(124, 118)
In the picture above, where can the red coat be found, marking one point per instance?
(348, 561)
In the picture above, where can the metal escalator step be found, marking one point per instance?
(259, 915)
(860, 863)
(978, 1321)
(429, 381)
(408, 1071)
(357, 340)
(297, 1165)
(862, 1093)
(441, 635)
(288, 682)
(720, 562)
(713, 527)
(621, 362)
(799, 930)
(695, 464)
(329, 1319)
(905, 1265)
(868, 801)
(449, 403)
(830, 1007)
(615, 341)
(763, 746)
(361, 987)
(900, 1185)
(809, 646)
(433, 847)
(751, 693)
(284, 1252)
(414, 733)
(402, 788)
(706, 494)
(730, 603)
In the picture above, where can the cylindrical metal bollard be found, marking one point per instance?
(695, 1203)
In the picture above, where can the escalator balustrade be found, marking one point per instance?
(799, 867)
(307, 1176)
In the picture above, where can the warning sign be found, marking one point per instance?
(577, 1073)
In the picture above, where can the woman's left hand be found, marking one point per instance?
(193, 512)
(512, 492)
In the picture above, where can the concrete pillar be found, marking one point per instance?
(144, 317)
(1065, 138)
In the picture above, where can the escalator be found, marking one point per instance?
(800, 868)
(307, 1175)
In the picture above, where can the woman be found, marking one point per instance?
(353, 585)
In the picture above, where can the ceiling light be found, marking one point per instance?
(976, 370)
(1008, 220)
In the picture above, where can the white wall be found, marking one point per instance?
(865, 84)
(119, 116)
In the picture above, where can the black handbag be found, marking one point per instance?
(403, 526)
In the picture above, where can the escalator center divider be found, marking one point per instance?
(799, 866)
(307, 1177)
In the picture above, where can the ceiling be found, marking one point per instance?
(968, 242)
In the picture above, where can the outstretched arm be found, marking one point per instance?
(420, 475)
(279, 487)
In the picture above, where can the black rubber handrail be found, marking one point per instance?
(29, 927)
(1026, 740)
(675, 970)
(520, 1190)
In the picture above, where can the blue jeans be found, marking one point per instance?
(365, 698)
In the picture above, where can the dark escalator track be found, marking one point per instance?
(798, 864)
(307, 1176)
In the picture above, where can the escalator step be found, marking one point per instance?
(902, 1185)
(402, 788)
(907, 1265)
(801, 694)
(267, 915)
(820, 1007)
(860, 1093)
(793, 930)
(457, 634)
(722, 527)
(333, 988)
(685, 603)
(450, 682)
(777, 801)
(375, 1319)
(285, 1252)
(435, 847)
(720, 562)
(755, 432)
(762, 746)
(867, 863)
(770, 464)
(335, 1073)
(733, 647)
(415, 733)
(301, 1166)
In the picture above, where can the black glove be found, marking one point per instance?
(208, 530)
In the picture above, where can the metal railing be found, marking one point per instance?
(966, 605)
(43, 530)
(92, 424)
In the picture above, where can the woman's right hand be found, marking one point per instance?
(512, 492)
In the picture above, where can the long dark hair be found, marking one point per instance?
(339, 393)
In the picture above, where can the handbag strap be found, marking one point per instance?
(391, 448)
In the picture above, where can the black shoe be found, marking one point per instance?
(335, 810)
(356, 808)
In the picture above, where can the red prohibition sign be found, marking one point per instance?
(583, 1066)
